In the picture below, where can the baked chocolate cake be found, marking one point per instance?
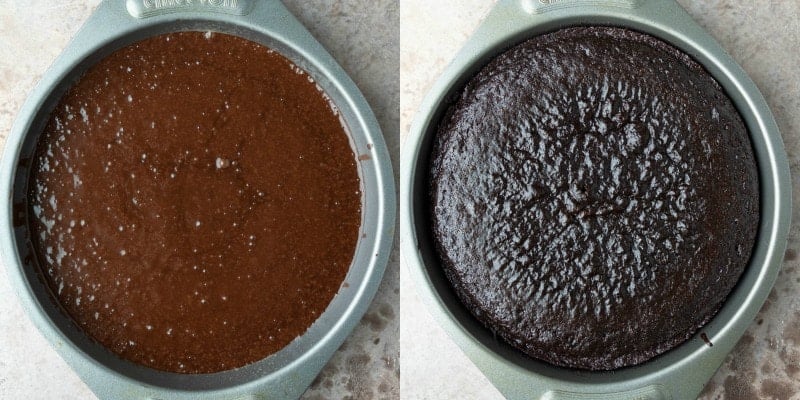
(594, 197)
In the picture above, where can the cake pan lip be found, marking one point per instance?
(287, 373)
(692, 363)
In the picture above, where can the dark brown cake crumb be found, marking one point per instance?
(594, 197)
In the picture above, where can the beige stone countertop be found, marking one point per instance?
(363, 35)
(763, 36)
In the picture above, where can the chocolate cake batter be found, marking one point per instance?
(195, 202)
(594, 197)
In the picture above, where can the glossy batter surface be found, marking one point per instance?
(594, 197)
(195, 202)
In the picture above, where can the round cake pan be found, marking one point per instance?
(285, 374)
(678, 374)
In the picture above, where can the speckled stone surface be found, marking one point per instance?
(763, 37)
(363, 35)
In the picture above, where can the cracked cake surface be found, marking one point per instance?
(593, 196)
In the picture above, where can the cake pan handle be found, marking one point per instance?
(151, 8)
(653, 392)
(543, 6)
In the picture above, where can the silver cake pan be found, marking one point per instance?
(285, 374)
(678, 374)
